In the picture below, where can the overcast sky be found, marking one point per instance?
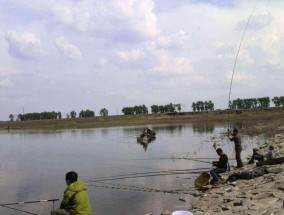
(65, 55)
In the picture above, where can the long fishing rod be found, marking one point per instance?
(236, 59)
(29, 202)
(142, 173)
(144, 189)
(144, 176)
(7, 205)
(123, 137)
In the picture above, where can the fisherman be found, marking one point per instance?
(271, 154)
(75, 199)
(238, 145)
(221, 166)
(256, 156)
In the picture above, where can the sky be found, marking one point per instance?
(65, 55)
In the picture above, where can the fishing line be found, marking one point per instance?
(144, 176)
(141, 174)
(140, 189)
(27, 212)
(236, 59)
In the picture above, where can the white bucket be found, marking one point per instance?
(181, 213)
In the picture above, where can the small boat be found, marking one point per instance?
(146, 138)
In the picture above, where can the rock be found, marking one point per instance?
(166, 213)
(182, 199)
(275, 169)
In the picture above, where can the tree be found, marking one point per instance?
(155, 109)
(104, 112)
(276, 101)
(193, 106)
(59, 115)
(86, 113)
(11, 117)
(73, 114)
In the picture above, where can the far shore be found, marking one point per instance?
(260, 120)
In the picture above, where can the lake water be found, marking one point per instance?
(33, 166)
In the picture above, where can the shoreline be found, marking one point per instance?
(261, 195)
(258, 120)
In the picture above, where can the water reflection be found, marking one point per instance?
(145, 143)
(203, 127)
(33, 164)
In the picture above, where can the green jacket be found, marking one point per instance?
(76, 199)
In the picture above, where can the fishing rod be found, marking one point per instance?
(29, 202)
(236, 59)
(143, 173)
(144, 189)
(178, 158)
(144, 176)
(123, 137)
(7, 205)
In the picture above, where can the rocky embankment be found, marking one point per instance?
(263, 195)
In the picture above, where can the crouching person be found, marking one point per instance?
(75, 199)
(221, 166)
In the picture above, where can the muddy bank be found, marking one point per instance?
(261, 195)
(262, 117)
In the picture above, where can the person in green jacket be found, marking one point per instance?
(75, 199)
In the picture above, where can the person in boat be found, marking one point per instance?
(256, 156)
(238, 145)
(221, 166)
(75, 199)
(147, 132)
(271, 154)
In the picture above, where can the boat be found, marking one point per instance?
(146, 138)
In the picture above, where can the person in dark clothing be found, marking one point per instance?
(256, 156)
(238, 145)
(221, 166)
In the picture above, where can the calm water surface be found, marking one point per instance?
(33, 165)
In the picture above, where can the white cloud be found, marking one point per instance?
(6, 83)
(131, 55)
(169, 65)
(6, 71)
(122, 20)
(102, 61)
(75, 15)
(241, 77)
(25, 46)
(68, 49)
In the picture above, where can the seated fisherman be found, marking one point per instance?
(75, 199)
(221, 166)
(256, 156)
(271, 154)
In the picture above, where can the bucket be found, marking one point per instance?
(181, 213)
(202, 180)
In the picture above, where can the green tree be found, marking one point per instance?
(59, 115)
(73, 114)
(11, 117)
(104, 112)
(86, 113)
(155, 109)
(276, 101)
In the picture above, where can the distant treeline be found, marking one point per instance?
(263, 102)
(202, 106)
(142, 109)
